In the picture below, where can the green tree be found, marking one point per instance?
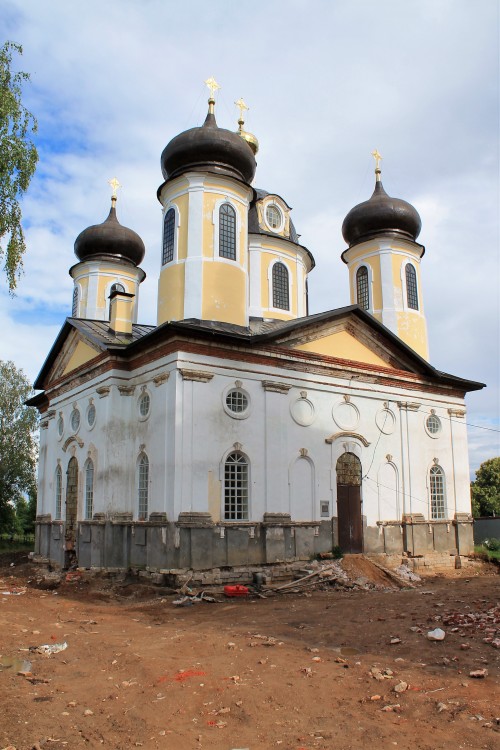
(486, 489)
(18, 447)
(18, 159)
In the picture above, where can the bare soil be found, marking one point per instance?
(293, 671)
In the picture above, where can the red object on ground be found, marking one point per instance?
(235, 591)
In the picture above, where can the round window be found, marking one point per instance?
(236, 401)
(144, 405)
(75, 420)
(91, 415)
(433, 424)
(60, 426)
(273, 216)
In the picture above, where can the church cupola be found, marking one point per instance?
(109, 256)
(110, 240)
(383, 258)
(209, 148)
(381, 215)
(205, 200)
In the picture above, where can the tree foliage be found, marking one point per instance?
(18, 447)
(486, 489)
(18, 159)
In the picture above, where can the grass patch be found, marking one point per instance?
(491, 554)
(17, 543)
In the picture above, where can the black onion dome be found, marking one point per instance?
(110, 239)
(209, 147)
(381, 215)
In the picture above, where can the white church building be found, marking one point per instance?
(240, 430)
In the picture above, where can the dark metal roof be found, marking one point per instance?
(209, 147)
(110, 239)
(255, 228)
(259, 331)
(381, 215)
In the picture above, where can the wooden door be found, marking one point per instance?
(349, 517)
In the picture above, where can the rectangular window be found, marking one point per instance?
(438, 509)
(227, 232)
(89, 490)
(58, 493)
(236, 488)
(143, 488)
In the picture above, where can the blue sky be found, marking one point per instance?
(327, 81)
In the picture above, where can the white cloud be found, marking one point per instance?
(326, 82)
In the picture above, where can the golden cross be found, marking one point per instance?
(242, 107)
(115, 185)
(212, 86)
(377, 158)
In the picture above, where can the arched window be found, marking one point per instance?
(74, 308)
(143, 487)
(227, 232)
(116, 288)
(437, 488)
(58, 493)
(89, 489)
(236, 487)
(411, 287)
(168, 236)
(281, 294)
(362, 291)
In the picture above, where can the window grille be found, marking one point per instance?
(281, 294)
(91, 415)
(438, 494)
(58, 493)
(273, 216)
(236, 401)
(89, 489)
(74, 308)
(144, 404)
(349, 470)
(363, 295)
(236, 487)
(143, 488)
(168, 236)
(411, 287)
(227, 232)
(433, 424)
(75, 420)
(116, 288)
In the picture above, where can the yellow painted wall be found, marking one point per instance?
(373, 262)
(342, 344)
(105, 281)
(268, 258)
(412, 329)
(182, 203)
(83, 353)
(171, 294)
(224, 293)
(210, 200)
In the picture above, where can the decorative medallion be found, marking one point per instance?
(346, 415)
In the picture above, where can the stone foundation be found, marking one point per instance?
(195, 543)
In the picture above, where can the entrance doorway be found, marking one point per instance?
(71, 511)
(350, 524)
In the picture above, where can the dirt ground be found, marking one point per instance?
(293, 671)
